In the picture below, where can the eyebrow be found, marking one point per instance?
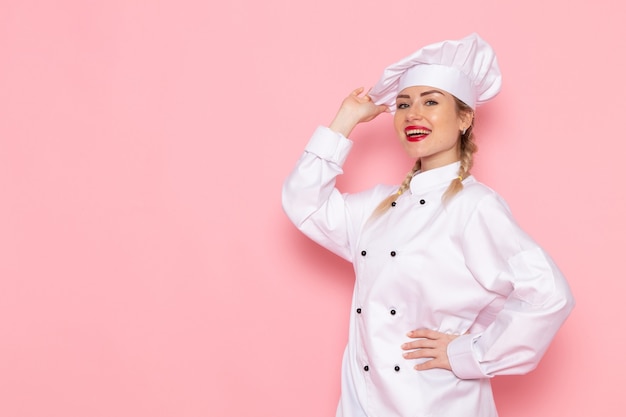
(425, 93)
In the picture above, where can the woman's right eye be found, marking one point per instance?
(402, 105)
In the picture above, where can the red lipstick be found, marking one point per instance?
(416, 133)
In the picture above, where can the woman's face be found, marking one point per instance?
(429, 125)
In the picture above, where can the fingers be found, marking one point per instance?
(421, 353)
(423, 348)
(436, 356)
(357, 91)
(430, 344)
(432, 364)
(420, 344)
(425, 333)
(357, 108)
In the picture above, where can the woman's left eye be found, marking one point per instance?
(430, 102)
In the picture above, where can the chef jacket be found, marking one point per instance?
(463, 267)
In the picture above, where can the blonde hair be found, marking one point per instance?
(467, 150)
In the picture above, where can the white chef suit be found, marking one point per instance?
(463, 268)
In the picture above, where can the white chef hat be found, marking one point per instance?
(466, 68)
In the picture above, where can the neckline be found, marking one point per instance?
(434, 178)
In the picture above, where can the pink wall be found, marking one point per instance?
(146, 267)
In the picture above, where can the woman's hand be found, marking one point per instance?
(356, 108)
(429, 344)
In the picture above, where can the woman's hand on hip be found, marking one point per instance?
(429, 344)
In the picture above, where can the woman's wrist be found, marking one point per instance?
(342, 124)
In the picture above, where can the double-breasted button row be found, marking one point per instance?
(396, 368)
(392, 311)
(422, 202)
(392, 253)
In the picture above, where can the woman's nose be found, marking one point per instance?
(414, 113)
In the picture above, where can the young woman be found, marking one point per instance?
(449, 291)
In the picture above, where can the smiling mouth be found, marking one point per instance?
(414, 134)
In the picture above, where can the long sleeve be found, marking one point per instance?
(312, 202)
(506, 261)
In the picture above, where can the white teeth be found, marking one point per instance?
(414, 132)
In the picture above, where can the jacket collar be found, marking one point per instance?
(432, 179)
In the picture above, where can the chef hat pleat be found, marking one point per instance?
(466, 68)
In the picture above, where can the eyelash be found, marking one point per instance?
(426, 103)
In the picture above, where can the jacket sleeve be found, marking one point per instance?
(311, 200)
(507, 262)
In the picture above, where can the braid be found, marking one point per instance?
(386, 203)
(468, 148)
(407, 180)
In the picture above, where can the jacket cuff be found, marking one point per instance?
(329, 145)
(462, 358)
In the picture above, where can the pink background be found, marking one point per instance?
(146, 267)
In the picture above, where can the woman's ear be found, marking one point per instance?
(467, 117)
